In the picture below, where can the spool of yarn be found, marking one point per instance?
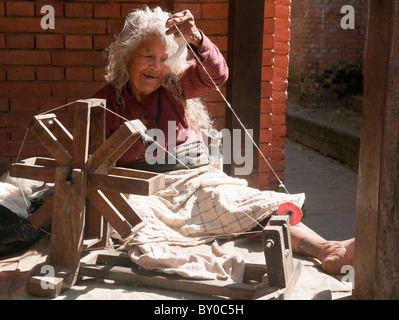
(291, 210)
(285, 209)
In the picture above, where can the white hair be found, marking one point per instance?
(140, 25)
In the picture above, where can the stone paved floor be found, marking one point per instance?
(330, 189)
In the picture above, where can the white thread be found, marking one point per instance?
(281, 184)
(229, 105)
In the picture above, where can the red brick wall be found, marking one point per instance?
(274, 91)
(43, 69)
(327, 60)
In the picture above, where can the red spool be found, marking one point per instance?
(291, 210)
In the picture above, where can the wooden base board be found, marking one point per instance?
(118, 267)
(50, 281)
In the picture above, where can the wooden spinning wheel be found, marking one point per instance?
(89, 190)
(87, 186)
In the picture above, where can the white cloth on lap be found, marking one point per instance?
(196, 206)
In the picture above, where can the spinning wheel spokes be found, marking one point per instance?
(87, 186)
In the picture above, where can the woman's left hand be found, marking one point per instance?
(184, 20)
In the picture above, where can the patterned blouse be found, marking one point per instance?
(161, 107)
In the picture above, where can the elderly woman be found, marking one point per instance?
(151, 79)
(145, 84)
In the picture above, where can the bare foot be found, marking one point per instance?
(336, 254)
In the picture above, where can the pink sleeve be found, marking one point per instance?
(195, 81)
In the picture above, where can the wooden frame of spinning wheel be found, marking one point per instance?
(89, 188)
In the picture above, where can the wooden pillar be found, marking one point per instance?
(377, 218)
(245, 49)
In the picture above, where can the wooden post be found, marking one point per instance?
(68, 217)
(377, 218)
(96, 227)
(245, 82)
(69, 205)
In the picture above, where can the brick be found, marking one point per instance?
(29, 89)
(127, 8)
(268, 41)
(50, 41)
(266, 149)
(111, 10)
(265, 135)
(78, 42)
(282, 24)
(48, 103)
(216, 109)
(2, 9)
(24, 57)
(283, 12)
(213, 27)
(264, 183)
(203, 1)
(280, 85)
(278, 131)
(215, 10)
(268, 25)
(283, 35)
(16, 119)
(220, 123)
(221, 42)
(114, 26)
(279, 96)
(265, 120)
(20, 73)
(102, 41)
(280, 74)
(4, 105)
(266, 105)
(263, 166)
(23, 104)
(2, 41)
(269, 10)
(81, 26)
(78, 58)
(268, 58)
(78, 10)
(18, 134)
(58, 8)
(194, 8)
(282, 47)
(50, 73)
(20, 41)
(278, 143)
(11, 149)
(281, 61)
(283, 2)
(278, 119)
(79, 74)
(267, 73)
(4, 134)
(20, 8)
(279, 107)
(78, 90)
(99, 74)
(20, 24)
(3, 72)
(277, 165)
(267, 89)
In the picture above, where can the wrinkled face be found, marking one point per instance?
(146, 68)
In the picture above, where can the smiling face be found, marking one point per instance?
(146, 68)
